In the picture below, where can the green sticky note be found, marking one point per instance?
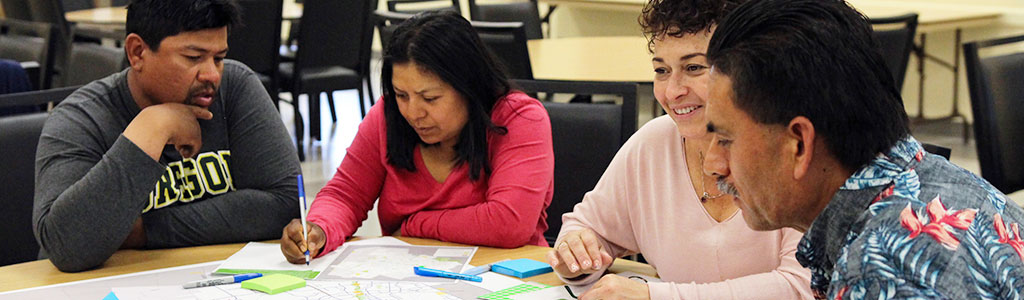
(274, 283)
(506, 294)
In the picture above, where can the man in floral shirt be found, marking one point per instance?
(810, 133)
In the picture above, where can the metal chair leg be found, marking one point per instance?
(299, 140)
(330, 105)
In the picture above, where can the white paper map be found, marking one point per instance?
(395, 263)
(314, 290)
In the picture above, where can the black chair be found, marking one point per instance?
(997, 97)
(525, 12)
(52, 12)
(385, 22)
(403, 6)
(507, 41)
(35, 99)
(257, 41)
(73, 5)
(90, 62)
(895, 37)
(27, 41)
(18, 139)
(16, 9)
(331, 57)
(595, 129)
(937, 150)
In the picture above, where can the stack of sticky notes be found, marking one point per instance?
(522, 268)
(274, 283)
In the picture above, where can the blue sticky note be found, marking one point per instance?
(110, 296)
(522, 268)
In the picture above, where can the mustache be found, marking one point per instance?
(201, 89)
(726, 187)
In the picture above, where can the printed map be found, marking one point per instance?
(395, 263)
(314, 290)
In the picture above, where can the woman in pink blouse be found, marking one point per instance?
(452, 152)
(654, 198)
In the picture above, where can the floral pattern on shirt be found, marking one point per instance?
(879, 239)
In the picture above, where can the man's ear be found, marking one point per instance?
(800, 132)
(134, 48)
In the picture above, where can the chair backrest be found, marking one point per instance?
(507, 41)
(937, 150)
(525, 12)
(595, 129)
(52, 12)
(36, 98)
(333, 34)
(73, 5)
(996, 100)
(18, 141)
(895, 37)
(90, 62)
(26, 41)
(257, 41)
(416, 6)
(16, 9)
(385, 21)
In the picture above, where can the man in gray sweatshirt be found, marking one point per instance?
(183, 148)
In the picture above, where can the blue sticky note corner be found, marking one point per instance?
(521, 268)
(110, 296)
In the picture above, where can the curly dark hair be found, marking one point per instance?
(679, 17)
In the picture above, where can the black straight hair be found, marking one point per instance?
(445, 44)
(155, 20)
(817, 59)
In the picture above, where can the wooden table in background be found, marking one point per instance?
(616, 58)
(42, 272)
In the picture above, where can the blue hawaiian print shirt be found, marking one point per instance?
(912, 225)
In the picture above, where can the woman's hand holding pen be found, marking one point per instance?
(577, 253)
(294, 248)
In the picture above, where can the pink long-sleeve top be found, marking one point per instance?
(645, 203)
(504, 209)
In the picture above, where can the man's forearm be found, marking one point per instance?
(84, 211)
(238, 216)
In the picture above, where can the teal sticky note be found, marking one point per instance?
(110, 296)
(274, 283)
(522, 268)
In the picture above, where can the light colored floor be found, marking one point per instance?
(323, 157)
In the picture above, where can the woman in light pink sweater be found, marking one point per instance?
(654, 198)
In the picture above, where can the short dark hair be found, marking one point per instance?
(679, 17)
(444, 43)
(154, 20)
(817, 59)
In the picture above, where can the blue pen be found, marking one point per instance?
(302, 214)
(423, 271)
(221, 280)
